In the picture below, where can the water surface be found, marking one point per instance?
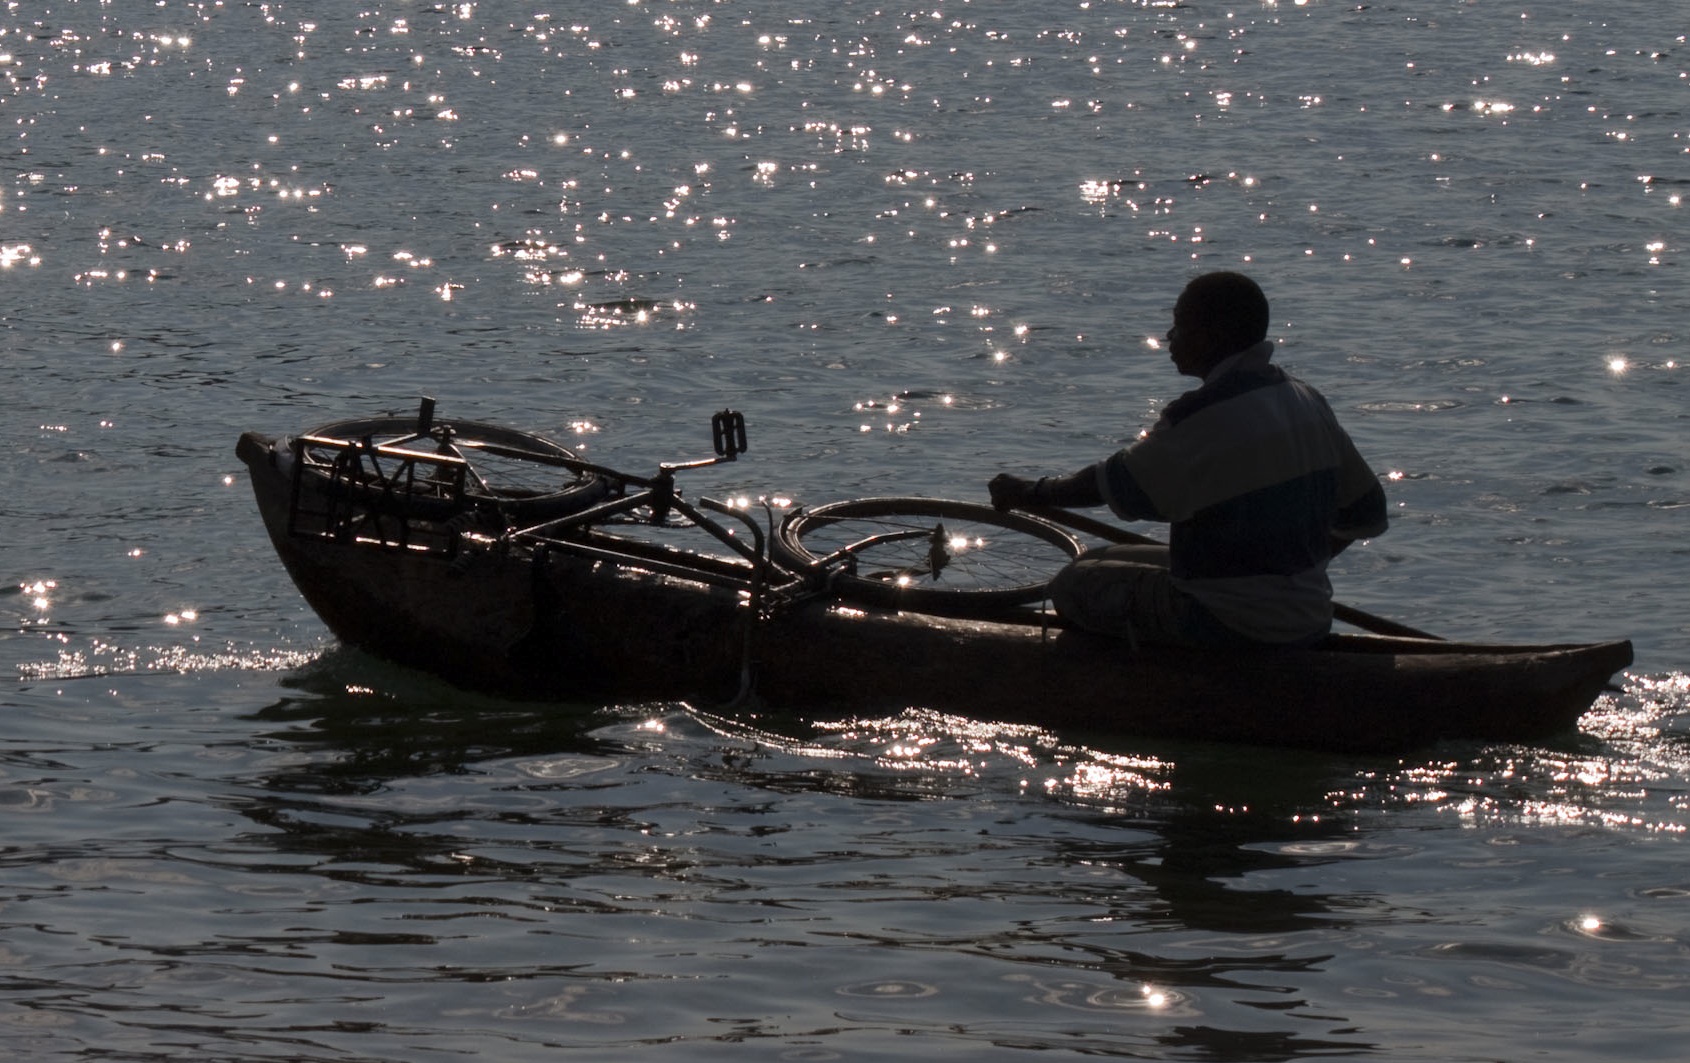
(915, 247)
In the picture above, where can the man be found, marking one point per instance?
(1259, 484)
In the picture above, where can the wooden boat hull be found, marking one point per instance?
(555, 626)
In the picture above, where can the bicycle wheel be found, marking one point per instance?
(927, 555)
(517, 477)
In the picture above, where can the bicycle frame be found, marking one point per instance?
(578, 534)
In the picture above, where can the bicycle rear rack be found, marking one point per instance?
(348, 490)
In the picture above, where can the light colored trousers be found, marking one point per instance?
(1125, 591)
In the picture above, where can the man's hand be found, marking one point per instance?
(1011, 492)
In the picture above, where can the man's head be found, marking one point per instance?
(1218, 314)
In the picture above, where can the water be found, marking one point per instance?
(914, 247)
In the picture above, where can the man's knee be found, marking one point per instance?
(1105, 594)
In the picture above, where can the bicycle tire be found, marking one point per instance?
(512, 489)
(883, 551)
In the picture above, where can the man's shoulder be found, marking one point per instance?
(1225, 388)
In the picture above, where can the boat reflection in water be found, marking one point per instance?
(1109, 890)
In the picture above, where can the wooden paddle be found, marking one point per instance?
(1097, 528)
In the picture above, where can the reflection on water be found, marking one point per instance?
(1625, 770)
(374, 843)
(553, 821)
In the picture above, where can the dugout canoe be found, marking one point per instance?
(537, 624)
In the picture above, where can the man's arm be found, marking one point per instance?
(1017, 492)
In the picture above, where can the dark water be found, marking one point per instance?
(914, 247)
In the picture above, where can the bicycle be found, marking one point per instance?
(441, 487)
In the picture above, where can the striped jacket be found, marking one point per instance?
(1254, 476)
